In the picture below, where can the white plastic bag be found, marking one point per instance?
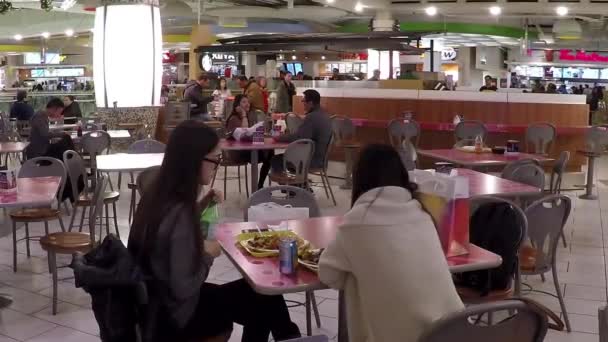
(272, 212)
(242, 132)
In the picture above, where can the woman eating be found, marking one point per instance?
(167, 241)
(387, 256)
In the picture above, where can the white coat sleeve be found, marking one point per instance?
(334, 266)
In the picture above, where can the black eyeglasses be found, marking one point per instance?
(214, 161)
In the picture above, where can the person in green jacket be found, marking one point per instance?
(285, 92)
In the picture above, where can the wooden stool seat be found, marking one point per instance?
(108, 197)
(35, 214)
(66, 242)
(469, 295)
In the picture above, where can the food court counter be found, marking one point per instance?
(506, 115)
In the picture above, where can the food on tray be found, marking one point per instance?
(311, 256)
(266, 242)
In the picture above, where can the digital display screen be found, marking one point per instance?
(298, 68)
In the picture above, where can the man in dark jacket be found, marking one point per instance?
(194, 94)
(72, 108)
(316, 127)
(21, 110)
(40, 135)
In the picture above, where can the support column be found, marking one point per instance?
(201, 35)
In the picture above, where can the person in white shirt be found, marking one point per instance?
(220, 94)
(387, 256)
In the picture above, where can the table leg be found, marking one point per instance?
(254, 171)
(589, 187)
(348, 176)
(342, 323)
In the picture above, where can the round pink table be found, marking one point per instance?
(476, 160)
(269, 144)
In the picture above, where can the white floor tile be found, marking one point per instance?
(584, 323)
(22, 327)
(25, 301)
(63, 334)
(72, 316)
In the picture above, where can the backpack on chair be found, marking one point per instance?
(496, 228)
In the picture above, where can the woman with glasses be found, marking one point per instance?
(167, 241)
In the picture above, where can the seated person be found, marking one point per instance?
(239, 118)
(40, 135)
(388, 238)
(72, 109)
(316, 126)
(21, 110)
(167, 241)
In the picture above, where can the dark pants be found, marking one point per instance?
(222, 305)
(267, 158)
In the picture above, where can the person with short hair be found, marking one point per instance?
(376, 76)
(488, 86)
(388, 238)
(285, 93)
(193, 93)
(21, 110)
(40, 135)
(72, 108)
(253, 92)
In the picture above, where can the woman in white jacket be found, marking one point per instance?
(387, 256)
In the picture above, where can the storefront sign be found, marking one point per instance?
(448, 54)
(569, 55)
(223, 58)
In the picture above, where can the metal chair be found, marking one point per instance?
(296, 164)
(404, 137)
(540, 138)
(143, 182)
(94, 144)
(529, 324)
(298, 198)
(140, 147)
(529, 174)
(470, 129)
(507, 172)
(227, 162)
(23, 128)
(293, 122)
(77, 171)
(596, 139)
(68, 243)
(546, 220)
(322, 172)
(344, 137)
(555, 183)
(38, 167)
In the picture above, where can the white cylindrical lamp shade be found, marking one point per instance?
(127, 55)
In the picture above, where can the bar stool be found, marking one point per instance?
(469, 130)
(404, 137)
(540, 137)
(344, 137)
(596, 139)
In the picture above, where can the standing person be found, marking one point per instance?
(221, 94)
(488, 86)
(175, 256)
(194, 94)
(253, 92)
(376, 76)
(21, 110)
(316, 127)
(263, 83)
(40, 135)
(385, 213)
(551, 88)
(72, 108)
(285, 93)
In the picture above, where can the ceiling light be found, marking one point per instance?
(495, 10)
(561, 11)
(294, 57)
(432, 10)
(359, 7)
(69, 32)
(18, 37)
(45, 35)
(330, 1)
(323, 57)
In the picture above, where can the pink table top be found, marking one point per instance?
(31, 192)
(233, 145)
(263, 273)
(479, 159)
(483, 184)
(13, 147)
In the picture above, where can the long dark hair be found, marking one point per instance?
(177, 184)
(236, 103)
(379, 165)
(219, 83)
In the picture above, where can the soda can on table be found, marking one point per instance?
(288, 255)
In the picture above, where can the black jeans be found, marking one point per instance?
(236, 302)
(267, 159)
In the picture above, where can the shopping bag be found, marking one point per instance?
(272, 212)
(446, 199)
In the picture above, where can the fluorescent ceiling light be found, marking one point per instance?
(69, 32)
(561, 11)
(18, 37)
(359, 7)
(330, 1)
(495, 10)
(45, 35)
(431, 11)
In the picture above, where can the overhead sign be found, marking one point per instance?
(207, 60)
(580, 56)
(448, 54)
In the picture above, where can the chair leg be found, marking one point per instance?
(564, 239)
(132, 205)
(307, 304)
(74, 211)
(14, 246)
(115, 219)
(61, 224)
(53, 264)
(84, 210)
(119, 180)
(542, 277)
(225, 182)
(27, 239)
(560, 297)
(46, 227)
(331, 192)
(107, 219)
(313, 302)
(324, 186)
(238, 173)
(246, 181)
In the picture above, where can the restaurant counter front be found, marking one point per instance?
(506, 115)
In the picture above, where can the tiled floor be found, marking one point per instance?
(582, 272)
